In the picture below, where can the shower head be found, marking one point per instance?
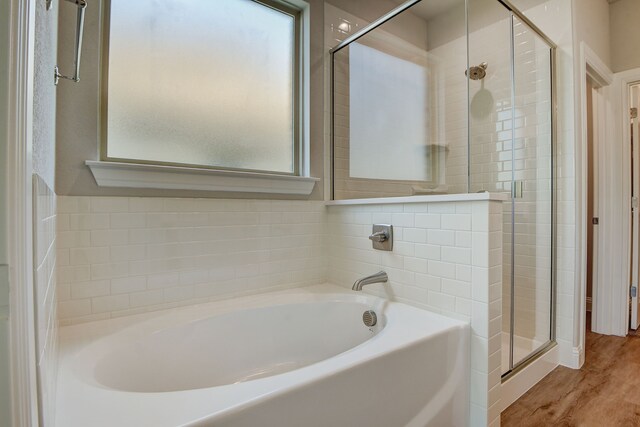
(477, 72)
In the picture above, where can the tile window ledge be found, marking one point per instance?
(135, 175)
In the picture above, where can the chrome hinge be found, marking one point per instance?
(633, 291)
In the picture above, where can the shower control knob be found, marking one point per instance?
(382, 237)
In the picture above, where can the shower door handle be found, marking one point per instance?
(517, 189)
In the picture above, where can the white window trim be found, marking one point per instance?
(135, 175)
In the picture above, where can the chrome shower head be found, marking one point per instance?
(477, 72)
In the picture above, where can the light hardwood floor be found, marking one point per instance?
(604, 393)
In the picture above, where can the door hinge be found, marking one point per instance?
(634, 113)
(595, 221)
(633, 292)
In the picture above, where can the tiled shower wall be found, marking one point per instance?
(491, 127)
(446, 91)
(446, 258)
(119, 256)
(494, 157)
(44, 246)
(490, 147)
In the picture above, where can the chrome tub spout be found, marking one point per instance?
(379, 277)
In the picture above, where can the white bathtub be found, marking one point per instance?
(289, 358)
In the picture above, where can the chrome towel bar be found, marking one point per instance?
(82, 5)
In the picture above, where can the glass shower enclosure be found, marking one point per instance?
(454, 97)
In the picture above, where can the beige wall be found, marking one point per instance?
(78, 109)
(44, 199)
(4, 112)
(591, 25)
(624, 18)
(5, 409)
(44, 93)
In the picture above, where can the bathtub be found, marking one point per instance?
(287, 358)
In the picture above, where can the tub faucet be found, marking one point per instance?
(379, 277)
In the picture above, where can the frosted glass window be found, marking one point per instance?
(388, 116)
(202, 83)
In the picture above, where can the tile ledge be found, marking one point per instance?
(135, 175)
(436, 198)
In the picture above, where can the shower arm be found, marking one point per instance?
(82, 5)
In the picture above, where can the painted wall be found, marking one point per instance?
(591, 26)
(44, 93)
(4, 117)
(5, 46)
(624, 16)
(78, 111)
(119, 256)
(44, 204)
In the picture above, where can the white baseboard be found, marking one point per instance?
(578, 357)
(570, 356)
(513, 388)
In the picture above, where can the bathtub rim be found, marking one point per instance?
(75, 337)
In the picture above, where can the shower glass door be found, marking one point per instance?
(531, 303)
(491, 129)
(510, 151)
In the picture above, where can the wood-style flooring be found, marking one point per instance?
(604, 393)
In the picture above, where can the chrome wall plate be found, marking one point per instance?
(382, 237)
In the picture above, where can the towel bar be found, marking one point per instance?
(81, 4)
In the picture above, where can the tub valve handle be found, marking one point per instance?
(379, 236)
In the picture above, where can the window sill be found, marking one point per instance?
(135, 175)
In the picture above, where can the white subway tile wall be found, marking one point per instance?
(496, 161)
(119, 256)
(491, 147)
(447, 104)
(44, 245)
(446, 258)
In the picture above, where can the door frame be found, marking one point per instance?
(592, 67)
(634, 212)
(624, 80)
(20, 80)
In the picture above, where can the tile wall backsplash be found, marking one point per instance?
(44, 248)
(119, 256)
(446, 258)
(486, 137)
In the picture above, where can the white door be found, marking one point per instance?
(635, 209)
(594, 99)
